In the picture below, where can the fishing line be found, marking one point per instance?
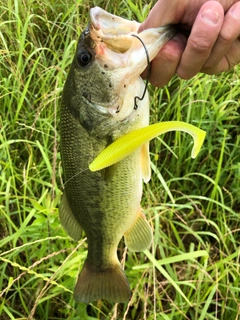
(74, 176)
(148, 74)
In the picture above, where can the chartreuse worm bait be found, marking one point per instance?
(128, 143)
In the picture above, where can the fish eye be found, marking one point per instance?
(84, 57)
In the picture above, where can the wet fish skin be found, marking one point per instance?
(97, 108)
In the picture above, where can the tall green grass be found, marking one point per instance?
(192, 270)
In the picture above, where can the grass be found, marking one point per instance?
(192, 270)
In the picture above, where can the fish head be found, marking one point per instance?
(109, 60)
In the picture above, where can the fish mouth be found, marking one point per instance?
(114, 41)
(118, 47)
(112, 30)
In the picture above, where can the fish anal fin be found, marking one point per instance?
(68, 220)
(139, 236)
(110, 284)
(145, 162)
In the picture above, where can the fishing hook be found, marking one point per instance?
(148, 74)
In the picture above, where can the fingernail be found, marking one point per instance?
(210, 17)
(235, 11)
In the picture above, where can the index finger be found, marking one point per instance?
(168, 12)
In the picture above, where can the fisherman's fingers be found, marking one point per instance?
(203, 36)
(181, 55)
(213, 45)
(226, 51)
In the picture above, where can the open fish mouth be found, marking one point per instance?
(112, 30)
(116, 32)
(114, 41)
(123, 53)
(111, 24)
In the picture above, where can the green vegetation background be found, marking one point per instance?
(192, 270)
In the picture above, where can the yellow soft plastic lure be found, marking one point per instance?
(128, 143)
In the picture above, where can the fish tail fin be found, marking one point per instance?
(110, 284)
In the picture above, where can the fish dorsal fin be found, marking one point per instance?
(68, 220)
(145, 162)
(139, 236)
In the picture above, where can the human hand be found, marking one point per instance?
(213, 45)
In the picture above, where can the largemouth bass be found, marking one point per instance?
(98, 107)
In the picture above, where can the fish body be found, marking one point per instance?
(97, 108)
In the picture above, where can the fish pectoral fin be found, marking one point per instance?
(68, 220)
(110, 284)
(145, 158)
(139, 236)
(109, 172)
